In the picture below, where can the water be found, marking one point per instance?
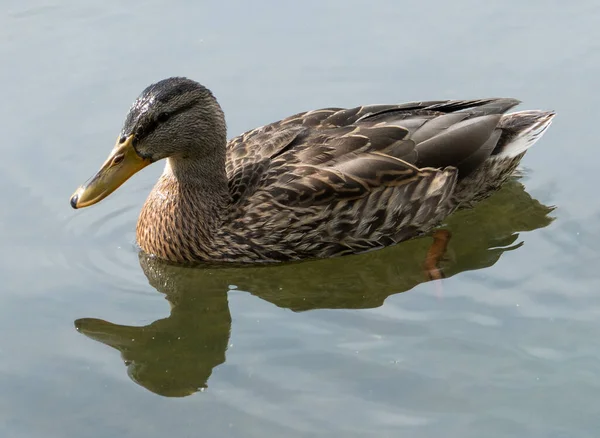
(96, 341)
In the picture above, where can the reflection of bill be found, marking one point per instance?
(175, 356)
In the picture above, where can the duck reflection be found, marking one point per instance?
(175, 356)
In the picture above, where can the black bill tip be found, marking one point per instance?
(74, 200)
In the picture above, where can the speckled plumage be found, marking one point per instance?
(335, 181)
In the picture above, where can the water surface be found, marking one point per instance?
(97, 340)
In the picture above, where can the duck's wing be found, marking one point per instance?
(333, 153)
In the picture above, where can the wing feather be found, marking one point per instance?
(320, 156)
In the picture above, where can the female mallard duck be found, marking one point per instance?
(317, 184)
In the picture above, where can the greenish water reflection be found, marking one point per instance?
(175, 356)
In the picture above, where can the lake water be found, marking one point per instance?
(96, 341)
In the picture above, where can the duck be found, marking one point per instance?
(318, 184)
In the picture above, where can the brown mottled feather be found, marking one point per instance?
(334, 181)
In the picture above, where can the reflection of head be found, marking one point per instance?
(175, 356)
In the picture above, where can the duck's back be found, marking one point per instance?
(337, 181)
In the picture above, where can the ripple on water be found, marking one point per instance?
(104, 249)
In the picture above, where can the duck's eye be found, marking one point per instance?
(162, 117)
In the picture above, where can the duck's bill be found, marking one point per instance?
(121, 164)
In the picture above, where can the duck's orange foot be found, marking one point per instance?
(435, 255)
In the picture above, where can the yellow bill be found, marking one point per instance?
(121, 164)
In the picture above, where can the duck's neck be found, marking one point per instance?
(184, 210)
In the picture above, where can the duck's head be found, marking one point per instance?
(175, 118)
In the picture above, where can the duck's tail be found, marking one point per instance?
(520, 130)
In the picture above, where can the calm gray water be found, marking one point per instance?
(506, 346)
